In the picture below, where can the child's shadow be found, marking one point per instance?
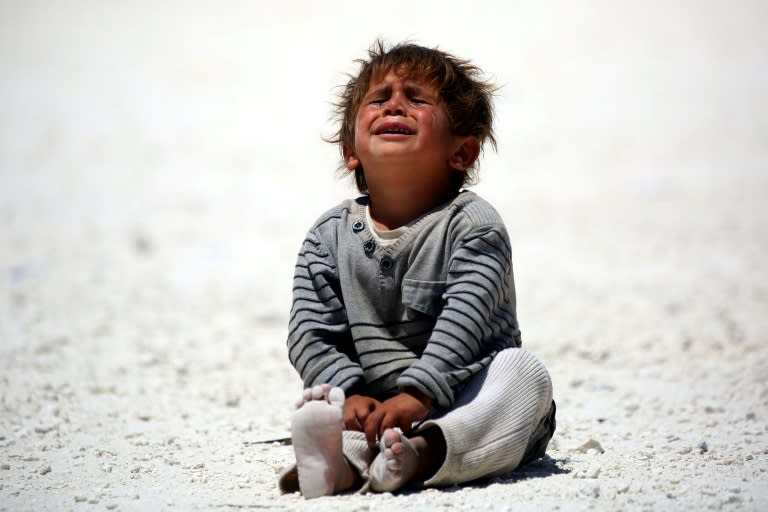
(540, 468)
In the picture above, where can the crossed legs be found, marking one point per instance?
(496, 420)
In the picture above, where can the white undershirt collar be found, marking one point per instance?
(383, 238)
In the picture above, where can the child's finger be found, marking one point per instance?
(351, 422)
(391, 420)
(372, 426)
(362, 413)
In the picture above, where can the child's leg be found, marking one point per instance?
(495, 422)
(316, 428)
(495, 419)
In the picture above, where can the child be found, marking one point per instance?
(403, 326)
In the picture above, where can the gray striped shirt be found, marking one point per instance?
(429, 311)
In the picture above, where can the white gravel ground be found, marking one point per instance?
(158, 168)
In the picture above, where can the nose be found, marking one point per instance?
(394, 105)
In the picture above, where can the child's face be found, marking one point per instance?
(402, 121)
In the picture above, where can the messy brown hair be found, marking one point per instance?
(466, 96)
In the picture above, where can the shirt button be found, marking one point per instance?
(369, 246)
(386, 263)
(357, 226)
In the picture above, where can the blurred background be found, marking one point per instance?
(160, 163)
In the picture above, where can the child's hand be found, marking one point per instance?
(399, 411)
(357, 408)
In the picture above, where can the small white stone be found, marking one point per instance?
(46, 426)
(590, 444)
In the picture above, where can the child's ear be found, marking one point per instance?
(466, 154)
(350, 158)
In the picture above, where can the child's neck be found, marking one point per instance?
(391, 208)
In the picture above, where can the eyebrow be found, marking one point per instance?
(411, 88)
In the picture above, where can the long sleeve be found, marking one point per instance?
(477, 319)
(319, 341)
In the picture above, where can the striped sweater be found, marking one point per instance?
(428, 311)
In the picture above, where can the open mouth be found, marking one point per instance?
(394, 129)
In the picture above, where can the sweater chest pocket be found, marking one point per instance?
(424, 296)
